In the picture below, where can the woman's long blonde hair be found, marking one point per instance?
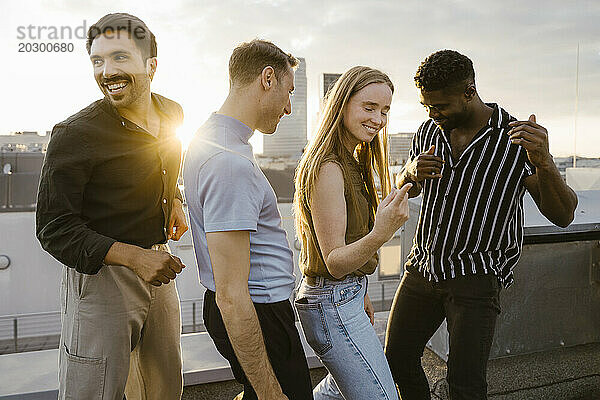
(328, 141)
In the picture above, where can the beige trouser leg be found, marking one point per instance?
(105, 318)
(155, 366)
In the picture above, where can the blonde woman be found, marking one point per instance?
(341, 225)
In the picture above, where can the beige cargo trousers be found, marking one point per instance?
(120, 335)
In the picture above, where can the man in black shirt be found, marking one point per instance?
(107, 204)
(473, 163)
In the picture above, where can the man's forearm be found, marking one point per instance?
(72, 243)
(121, 254)
(557, 200)
(245, 334)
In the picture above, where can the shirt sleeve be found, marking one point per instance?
(230, 193)
(60, 227)
(529, 168)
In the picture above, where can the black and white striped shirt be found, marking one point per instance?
(471, 219)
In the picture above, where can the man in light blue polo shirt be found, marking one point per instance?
(242, 251)
(227, 191)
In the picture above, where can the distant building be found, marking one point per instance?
(289, 139)
(328, 82)
(399, 145)
(582, 178)
(21, 158)
(563, 163)
(24, 142)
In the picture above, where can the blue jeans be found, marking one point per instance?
(339, 331)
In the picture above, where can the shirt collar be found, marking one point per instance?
(241, 130)
(166, 110)
(500, 118)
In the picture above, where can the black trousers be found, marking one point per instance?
(470, 305)
(282, 341)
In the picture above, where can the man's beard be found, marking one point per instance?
(136, 86)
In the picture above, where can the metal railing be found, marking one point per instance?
(41, 331)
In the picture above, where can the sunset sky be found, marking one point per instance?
(524, 54)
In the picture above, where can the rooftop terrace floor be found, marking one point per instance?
(570, 373)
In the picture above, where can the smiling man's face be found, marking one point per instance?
(447, 107)
(120, 69)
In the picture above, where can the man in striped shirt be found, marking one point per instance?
(472, 162)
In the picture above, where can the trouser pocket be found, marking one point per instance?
(314, 324)
(81, 377)
(64, 292)
(77, 282)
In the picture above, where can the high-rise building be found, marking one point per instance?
(289, 139)
(328, 82)
(399, 145)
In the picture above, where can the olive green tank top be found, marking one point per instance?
(359, 222)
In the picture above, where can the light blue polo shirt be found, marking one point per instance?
(226, 191)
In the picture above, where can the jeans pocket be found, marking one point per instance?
(314, 325)
(349, 292)
(81, 377)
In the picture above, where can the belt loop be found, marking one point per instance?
(320, 281)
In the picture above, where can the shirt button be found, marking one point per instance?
(164, 171)
(123, 123)
(165, 201)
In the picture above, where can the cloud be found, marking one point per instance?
(523, 52)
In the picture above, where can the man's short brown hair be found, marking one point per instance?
(250, 58)
(137, 30)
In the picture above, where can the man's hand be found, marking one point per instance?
(555, 200)
(425, 166)
(534, 139)
(369, 309)
(155, 267)
(177, 221)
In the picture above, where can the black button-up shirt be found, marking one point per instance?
(104, 179)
